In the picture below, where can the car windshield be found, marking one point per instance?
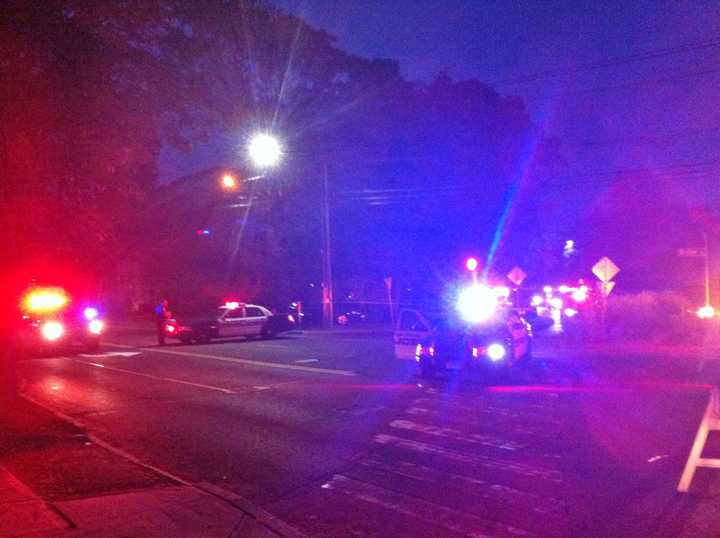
(360, 268)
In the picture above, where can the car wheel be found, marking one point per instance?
(203, 338)
(186, 340)
(268, 333)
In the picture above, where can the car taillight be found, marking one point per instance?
(170, 328)
(96, 326)
(52, 330)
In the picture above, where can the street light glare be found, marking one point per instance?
(264, 150)
(229, 181)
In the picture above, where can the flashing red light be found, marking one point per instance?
(45, 300)
(471, 264)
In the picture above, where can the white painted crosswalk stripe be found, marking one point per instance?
(478, 460)
(450, 433)
(418, 509)
(542, 504)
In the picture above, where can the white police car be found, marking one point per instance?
(230, 320)
(480, 333)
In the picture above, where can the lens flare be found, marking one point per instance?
(477, 304)
(496, 352)
(45, 300)
(96, 326)
(52, 330)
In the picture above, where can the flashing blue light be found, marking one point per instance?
(477, 304)
(204, 231)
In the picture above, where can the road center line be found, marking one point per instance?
(264, 364)
(150, 376)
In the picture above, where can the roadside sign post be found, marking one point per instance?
(388, 286)
(605, 270)
(517, 276)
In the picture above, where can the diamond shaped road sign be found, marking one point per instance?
(516, 276)
(605, 269)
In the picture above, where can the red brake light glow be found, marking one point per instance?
(45, 300)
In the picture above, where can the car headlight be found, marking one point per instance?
(496, 352)
(90, 313)
(52, 330)
(96, 326)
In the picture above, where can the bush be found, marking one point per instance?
(660, 317)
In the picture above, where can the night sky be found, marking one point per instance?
(622, 84)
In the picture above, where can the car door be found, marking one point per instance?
(230, 322)
(412, 327)
(253, 321)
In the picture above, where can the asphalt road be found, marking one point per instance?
(330, 433)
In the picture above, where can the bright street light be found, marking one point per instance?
(264, 150)
(229, 182)
(706, 312)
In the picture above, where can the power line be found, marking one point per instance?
(611, 62)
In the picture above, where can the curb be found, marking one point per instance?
(261, 516)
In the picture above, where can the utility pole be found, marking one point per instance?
(327, 288)
(707, 270)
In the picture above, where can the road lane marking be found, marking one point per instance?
(111, 354)
(530, 471)
(542, 504)
(443, 517)
(264, 364)
(450, 433)
(305, 361)
(150, 376)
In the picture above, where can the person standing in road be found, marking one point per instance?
(162, 315)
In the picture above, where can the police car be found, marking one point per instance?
(482, 332)
(229, 320)
(52, 317)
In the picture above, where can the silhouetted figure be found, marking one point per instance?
(162, 315)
